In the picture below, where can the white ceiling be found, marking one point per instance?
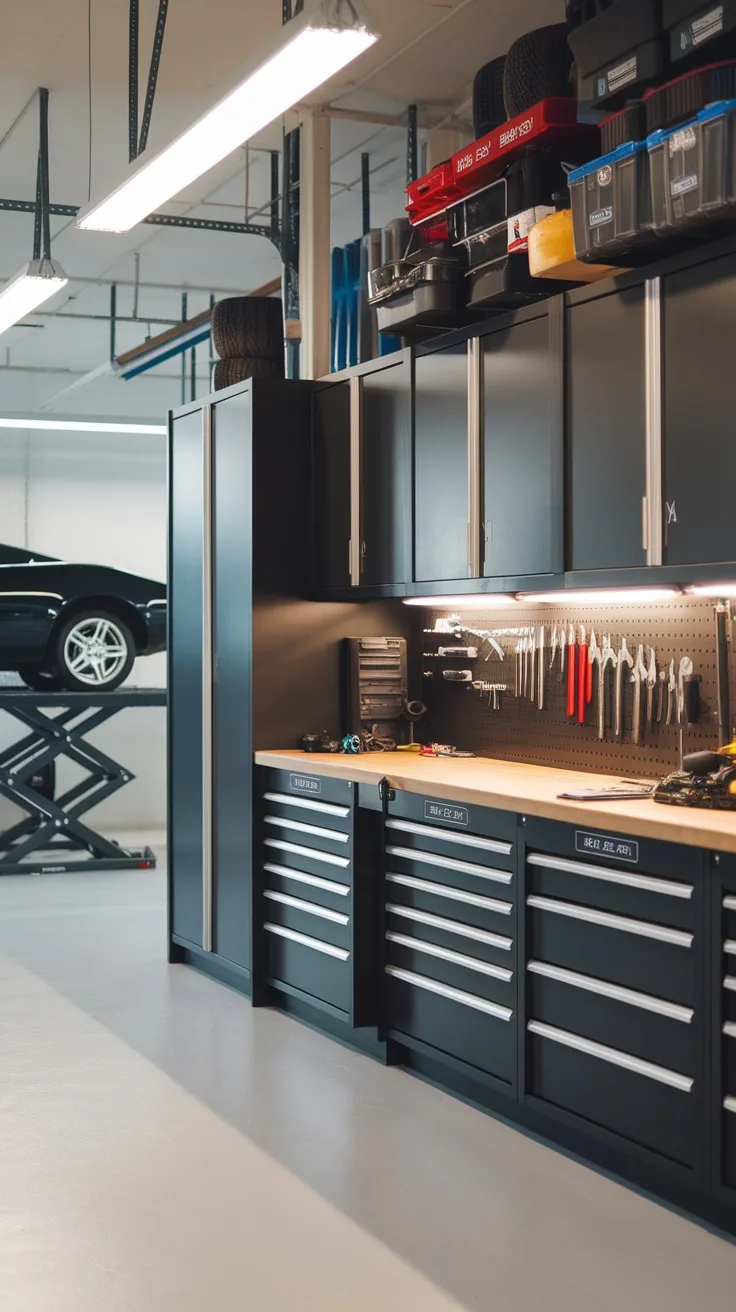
(428, 53)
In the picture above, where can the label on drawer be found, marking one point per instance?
(615, 849)
(305, 783)
(448, 814)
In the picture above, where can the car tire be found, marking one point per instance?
(39, 680)
(93, 651)
(237, 369)
(248, 326)
(538, 66)
(489, 110)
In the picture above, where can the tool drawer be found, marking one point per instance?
(450, 931)
(724, 1023)
(614, 978)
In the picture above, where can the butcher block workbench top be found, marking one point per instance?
(526, 789)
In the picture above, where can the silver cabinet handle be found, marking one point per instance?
(207, 680)
(334, 834)
(446, 836)
(729, 1029)
(451, 926)
(647, 883)
(475, 457)
(314, 881)
(653, 420)
(729, 1105)
(730, 947)
(452, 894)
(327, 808)
(282, 846)
(450, 863)
(729, 903)
(356, 441)
(310, 908)
(455, 958)
(730, 983)
(615, 991)
(455, 995)
(612, 1055)
(662, 933)
(314, 943)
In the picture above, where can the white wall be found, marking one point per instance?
(100, 499)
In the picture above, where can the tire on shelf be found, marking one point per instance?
(236, 369)
(537, 66)
(489, 110)
(247, 326)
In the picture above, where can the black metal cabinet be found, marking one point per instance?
(606, 430)
(361, 477)
(723, 1037)
(441, 471)
(699, 320)
(522, 448)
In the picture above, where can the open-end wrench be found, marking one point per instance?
(541, 668)
(651, 686)
(671, 690)
(638, 678)
(606, 657)
(553, 645)
(563, 652)
(660, 695)
(684, 672)
(623, 659)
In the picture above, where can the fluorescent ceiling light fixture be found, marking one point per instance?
(713, 589)
(83, 426)
(311, 49)
(600, 597)
(473, 601)
(36, 283)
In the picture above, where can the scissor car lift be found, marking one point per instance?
(52, 837)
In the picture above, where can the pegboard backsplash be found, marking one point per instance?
(519, 731)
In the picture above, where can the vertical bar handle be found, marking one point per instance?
(475, 435)
(356, 443)
(207, 678)
(654, 421)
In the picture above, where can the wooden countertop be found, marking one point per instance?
(528, 789)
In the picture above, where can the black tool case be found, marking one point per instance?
(697, 29)
(618, 50)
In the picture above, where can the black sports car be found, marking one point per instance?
(75, 626)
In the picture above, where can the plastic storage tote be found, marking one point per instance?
(611, 204)
(693, 170)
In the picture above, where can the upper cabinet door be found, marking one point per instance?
(385, 467)
(606, 431)
(441, 465)
(331, 492)
(522, 451)
(699, 410)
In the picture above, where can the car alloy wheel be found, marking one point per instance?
(95, 652)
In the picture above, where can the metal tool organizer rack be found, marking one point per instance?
(48, 840)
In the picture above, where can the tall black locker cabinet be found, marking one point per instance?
(254, 663)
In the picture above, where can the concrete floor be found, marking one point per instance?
(164, 1147)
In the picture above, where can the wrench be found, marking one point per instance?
(660, 695)
(623, 659)
(686, 669)
(651, 685)
(671, 689)
(638, 678)
(606, 657)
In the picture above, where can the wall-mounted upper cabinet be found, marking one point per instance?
(606, 430)
(441, 472)
(361, 478)
(699, 405)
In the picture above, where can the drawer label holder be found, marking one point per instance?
(446, 813)
(305, 783)
(615, 849)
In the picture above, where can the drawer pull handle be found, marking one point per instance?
(314, 881)
(729, 1029)
(660, 932)
(453, 927)
(306, 942)
(455, 995)
(616, 1058)
(647, 883)
(299, 826)
(310, 908)
(730, 983)
(730, 947)
(456, 958)
(327, 808)
(449, 863)
(445, 836)
(452, 894)
(616, 991)
(730, 1105)
(729, 903)
(298, 850)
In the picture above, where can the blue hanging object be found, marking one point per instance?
(350, 744)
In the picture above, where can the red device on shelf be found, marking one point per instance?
(431, 194)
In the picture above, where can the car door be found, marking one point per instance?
(30, 596)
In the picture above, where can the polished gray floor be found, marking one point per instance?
(164, 1147)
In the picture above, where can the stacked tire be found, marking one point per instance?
(248, 336)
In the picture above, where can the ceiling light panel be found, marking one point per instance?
(37, 282)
